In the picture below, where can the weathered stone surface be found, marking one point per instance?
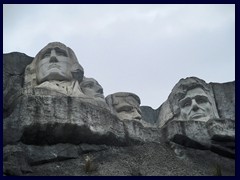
(221, 129)
(20, 158)
(86, 148)
(165, 114)
(55, 119)
(46, 120)
(188, 133)
(15, 161)
(149, 114)
(222, 135)
(142, 160)
(52, 131)
(203, 135)
(14, 65)
(45, 154)
(205, 158)
(225, 99)
(139, 132)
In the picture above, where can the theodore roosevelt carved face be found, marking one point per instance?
(125, 105)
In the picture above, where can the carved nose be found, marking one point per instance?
(53, 59)
(194, 105)
(100, 91)
(137, 115)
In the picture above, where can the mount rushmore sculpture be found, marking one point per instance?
(49, 103)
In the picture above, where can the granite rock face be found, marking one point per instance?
(139, 160)
(190, 116)
(165, 114)
(47, 132)
(14, 65)
(149, 114)
(217, 135)
(47, 120)
(224, 94)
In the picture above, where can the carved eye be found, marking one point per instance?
(46, 55)
(59, 53)
(188, 103)
(201, 100)
(125, 109)
(88, 86)
(185, 103)
(128, 109)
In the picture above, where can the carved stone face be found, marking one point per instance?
(127, 108)
(54, 64)
(92, 88)
(196, 106)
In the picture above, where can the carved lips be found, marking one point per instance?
(54, 66)
(197, 115)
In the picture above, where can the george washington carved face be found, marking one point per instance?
(54, 64)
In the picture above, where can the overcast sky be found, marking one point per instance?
(144, 49)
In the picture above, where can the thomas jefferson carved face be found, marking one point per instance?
(54, 64)
(196, 106)
(92, 88)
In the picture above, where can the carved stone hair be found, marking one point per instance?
(180, 90)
